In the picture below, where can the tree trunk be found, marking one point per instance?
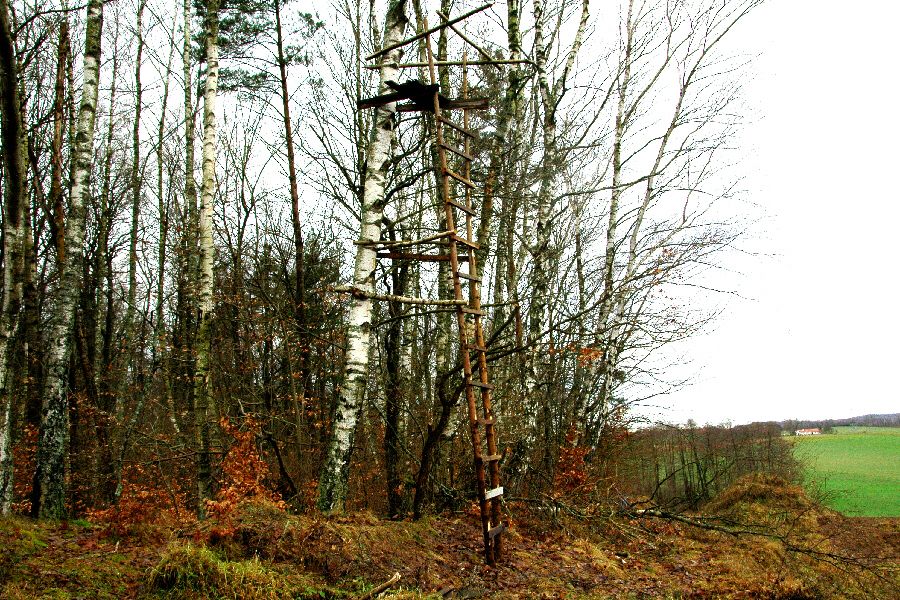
(14, 163)
(394, 391)
(205, 303)
(135, 185)
(181, 359)
(99, 377)
(49, 493)
(448, 401)
(299, 267)
(336, 467)
(610, 353)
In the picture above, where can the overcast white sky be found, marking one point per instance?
(817, 336)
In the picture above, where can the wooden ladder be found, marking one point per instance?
(472, 346)
(473, 351)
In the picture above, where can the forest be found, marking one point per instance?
(239, 356)
(198, 310)
(169, 277)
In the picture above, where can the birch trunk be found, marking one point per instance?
(550, 94)
(537, 308)
(336, 467)
(100, 366)
(49, 492)
(610, 351)
(14, 163)
(181, 361)
(205, 239)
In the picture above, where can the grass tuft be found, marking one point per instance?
(189, 571)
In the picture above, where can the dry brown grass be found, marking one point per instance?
(803, 552)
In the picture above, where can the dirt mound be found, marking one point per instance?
(763, 490)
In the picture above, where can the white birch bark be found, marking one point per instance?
(13, 205)
(336, 467)
(53, 439)
(502, 173)
(550, 95)
(207, 250)
(621, 285)
(610, 352)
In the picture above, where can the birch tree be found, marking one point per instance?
(335, 469)
(644, 251)
(49, 491)
(14, 170)
(207, 255)
(551, 92)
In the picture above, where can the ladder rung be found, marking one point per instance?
(488, 421)
(472, 311)
(477, 348)
(462, 207)
(474, 278)
(461, 240)
(412, 256)
(466, 182)
(484, 386)
(456, 151)
(495, 531)
(497, 491)
(491, 457)
(459, 128)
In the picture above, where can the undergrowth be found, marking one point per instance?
(260, 551)
(187, 571)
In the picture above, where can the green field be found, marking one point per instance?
(859, 468)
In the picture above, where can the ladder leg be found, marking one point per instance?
(488, 499)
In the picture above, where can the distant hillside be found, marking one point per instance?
(882, 420)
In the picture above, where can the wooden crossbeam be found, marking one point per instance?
(458, 63)
(422, 257)
(461, 240)
(484, 386)
(466, 182)
(469, 277)
(428, 32)
(447, 104)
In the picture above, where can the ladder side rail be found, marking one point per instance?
(460, 315)
(475, 302)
